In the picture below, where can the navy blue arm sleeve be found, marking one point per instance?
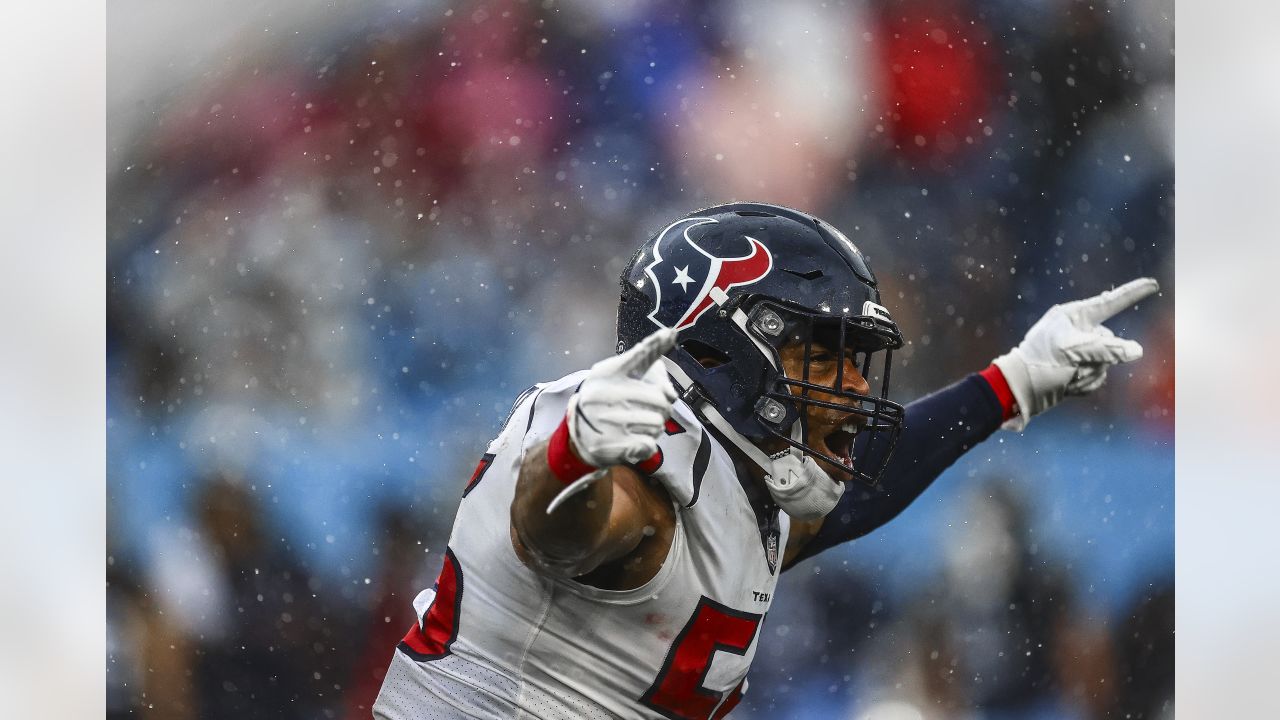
(937, 430)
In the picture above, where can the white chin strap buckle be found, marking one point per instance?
(801, 488)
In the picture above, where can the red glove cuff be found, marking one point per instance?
(561, 459)
(1000, 386)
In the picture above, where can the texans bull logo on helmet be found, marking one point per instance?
(687, 280)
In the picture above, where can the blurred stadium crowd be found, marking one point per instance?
(336, 259)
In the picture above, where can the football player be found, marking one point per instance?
(618, 546)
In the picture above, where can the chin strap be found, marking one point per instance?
(796, 483)
(802, 488)
(688, 392)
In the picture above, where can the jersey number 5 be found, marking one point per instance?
(678, 693)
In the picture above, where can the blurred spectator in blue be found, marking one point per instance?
(259, 636)
(1001, 634)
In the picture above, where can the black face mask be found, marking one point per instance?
(858, 339)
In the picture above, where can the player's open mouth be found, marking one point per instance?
(840, 442)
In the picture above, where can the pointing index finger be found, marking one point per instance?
(1100, 308)
(639, 358)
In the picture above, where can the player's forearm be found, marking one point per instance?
(939, 428)
(613, 419)
(573, 532)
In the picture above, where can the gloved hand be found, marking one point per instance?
(621, 408)
(1068, 351)
(801, 488)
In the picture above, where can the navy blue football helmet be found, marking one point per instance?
(741, 281)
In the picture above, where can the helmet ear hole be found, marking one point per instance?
(706, 355)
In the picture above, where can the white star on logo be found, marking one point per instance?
(682, 278)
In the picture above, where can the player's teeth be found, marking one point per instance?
(850, 428)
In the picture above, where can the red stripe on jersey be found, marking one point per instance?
(650, 466)
(431, 639)
(485, 461)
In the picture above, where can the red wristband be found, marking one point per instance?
(1000, 386)
(561, 459)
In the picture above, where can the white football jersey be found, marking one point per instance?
(496, 639)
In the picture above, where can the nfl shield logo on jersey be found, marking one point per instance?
(771, 550)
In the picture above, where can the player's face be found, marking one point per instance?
(831, 431)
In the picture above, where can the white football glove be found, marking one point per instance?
(801, 488)
(623, 405)
(1067, 351)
